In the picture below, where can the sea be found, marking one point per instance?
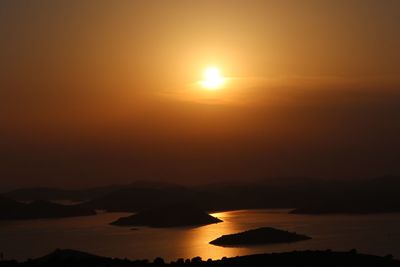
(377, 234)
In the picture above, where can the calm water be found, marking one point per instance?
(374, 234)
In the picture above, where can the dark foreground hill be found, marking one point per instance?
(70, 258)
(173, 215)
(13, 210)
(265, 235)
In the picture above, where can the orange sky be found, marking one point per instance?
(104, 90)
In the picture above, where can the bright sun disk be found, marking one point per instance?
(212, 78)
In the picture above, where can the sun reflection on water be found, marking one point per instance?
(196, 238)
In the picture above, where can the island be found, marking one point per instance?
(260, 236)
(174, 215)
(14, 210)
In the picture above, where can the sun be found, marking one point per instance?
(212, 79)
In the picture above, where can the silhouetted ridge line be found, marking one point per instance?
(327, 258)
(13, 210)
(304, 195)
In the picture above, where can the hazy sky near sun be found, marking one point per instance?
(105, 91)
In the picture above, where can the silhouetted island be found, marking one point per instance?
(174, 215)
(260, 236)
(13, 210)
(64, 258)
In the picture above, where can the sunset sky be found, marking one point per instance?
(101, 92)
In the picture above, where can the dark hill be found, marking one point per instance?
(140, 196)
(60, 255)
(379, 195)
(260, 236)
(64, 258)
(51, 194)
(174, 215)
(305, 195)
(13, 210)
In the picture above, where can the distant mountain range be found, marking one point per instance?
(303, 195)
(13, 210)
(51, 194)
